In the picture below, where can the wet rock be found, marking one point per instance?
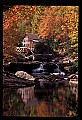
(67, 68)
(66, 61)
(73, 76)
(65, 78)
(73, 79)
(73, 82)
(56, 74)
(30, 58)
(24, 75)
(77, 76)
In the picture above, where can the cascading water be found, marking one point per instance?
(38, 71)
(48, 68)
(57, 71)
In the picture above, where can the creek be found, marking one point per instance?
(32, 102)
(41, 100)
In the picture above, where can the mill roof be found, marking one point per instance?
(32, 36)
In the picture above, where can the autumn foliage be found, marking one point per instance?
(56, 24)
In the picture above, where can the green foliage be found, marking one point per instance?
(12, 104)
(19, 43)
(43, 48)
(74, 67)
(19, 58)
(31, 111)
(71, 114)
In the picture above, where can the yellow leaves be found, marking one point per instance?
(63, 27)
(71, 21)
(48, 24)
(55, 40)
(71, 113)
(31, 9)
(74, 46)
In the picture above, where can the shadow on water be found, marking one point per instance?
(33, 102)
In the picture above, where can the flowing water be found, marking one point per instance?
(37, 102)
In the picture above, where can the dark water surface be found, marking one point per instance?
(31, 102)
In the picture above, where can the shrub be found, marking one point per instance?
(74, 67)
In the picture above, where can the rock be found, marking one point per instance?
(62, 73)
(9, 63)
(73, 79)
(73, 82)
(77, 76)
(24, 75)
(56, 74)
(71, 76)
(60, 61)
(66, 61)
(31, 57)
(66, 58)
(65, 78)
(67, 68)
(76, 72)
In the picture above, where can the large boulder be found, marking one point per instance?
(24, 75)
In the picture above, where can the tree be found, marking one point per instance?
(49, 26)
(17, 21)
(71, 18)
(69, 27)
(14, 29)
(54, 24)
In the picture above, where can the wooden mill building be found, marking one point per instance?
(28, 42)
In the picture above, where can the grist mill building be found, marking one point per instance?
(28, 43)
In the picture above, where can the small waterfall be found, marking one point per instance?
(39, 70)
(41, 66)
(46, 68)
(57, 71)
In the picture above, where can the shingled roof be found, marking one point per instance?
(32, 36)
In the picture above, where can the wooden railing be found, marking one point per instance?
(23, 49)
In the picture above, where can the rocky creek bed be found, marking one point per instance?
(52, 93)
(44, 72)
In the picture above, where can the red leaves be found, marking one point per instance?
(55, 22)
(16, 8)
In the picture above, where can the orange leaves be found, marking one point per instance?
(46, 26)
(49, 23)
(42, 110)
(57, 105)
(9, 21)
(16, 8)
(63, 43)
(60, 35)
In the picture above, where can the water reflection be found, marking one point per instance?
(32, 102)
(74, 91)
(12, 103)
(27, 94)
